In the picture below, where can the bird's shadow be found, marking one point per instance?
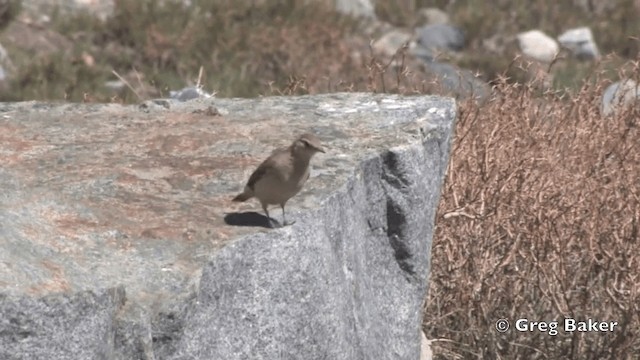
(250, 218)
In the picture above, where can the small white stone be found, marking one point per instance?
(538, 45)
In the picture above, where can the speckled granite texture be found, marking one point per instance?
(118, 239)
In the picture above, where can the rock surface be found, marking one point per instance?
(431, 39)
(537, 45)
(457, 82)
(580, 42)
(620, 96)
(40, 10)
(118, 239)
(357, 8)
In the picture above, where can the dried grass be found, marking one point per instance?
(539, 219)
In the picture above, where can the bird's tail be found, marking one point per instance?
(244, 196)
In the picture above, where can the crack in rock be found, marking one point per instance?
(395, 175)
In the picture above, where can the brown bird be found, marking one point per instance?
(282, 175)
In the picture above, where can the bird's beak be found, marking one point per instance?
(320, 150)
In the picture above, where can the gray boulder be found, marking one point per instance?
(457, 82)
(619, 96)
(99, 200)
(432, 39)
(580, 43)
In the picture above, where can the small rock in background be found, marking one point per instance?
(432, 16)
(538, 46)
(436, 36)
(619, 96)
(6, 66)
(431, 39)
(461, 83)
(38, 11)
(189, 93)
(596, 7)
(580, 42)
(356, 8)
(115, 85)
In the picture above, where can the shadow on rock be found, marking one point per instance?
(249, 218)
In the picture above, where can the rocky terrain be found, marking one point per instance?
(119, 239)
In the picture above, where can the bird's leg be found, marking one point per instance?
(284, 219)
(270, 221)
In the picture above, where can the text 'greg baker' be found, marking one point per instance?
(571, 325)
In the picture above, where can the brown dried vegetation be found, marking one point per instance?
(539, 219)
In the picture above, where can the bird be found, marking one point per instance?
(282, 175)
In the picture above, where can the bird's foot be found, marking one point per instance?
(273, 223)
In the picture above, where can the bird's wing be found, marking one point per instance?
(267, 167)
(258, 174)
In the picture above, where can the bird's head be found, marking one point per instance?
(307, 145)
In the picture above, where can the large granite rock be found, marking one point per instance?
(118, 239)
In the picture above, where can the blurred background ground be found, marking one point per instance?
(540, 211)
(55, 50)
